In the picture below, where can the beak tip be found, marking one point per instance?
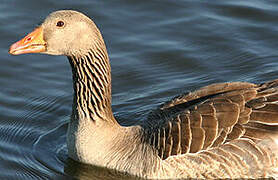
(12, 53)
(12, 49)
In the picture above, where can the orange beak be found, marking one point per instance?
(32, 43)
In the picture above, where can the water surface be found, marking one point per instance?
(158, 49)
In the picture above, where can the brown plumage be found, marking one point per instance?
(215, 115)
(226, 130)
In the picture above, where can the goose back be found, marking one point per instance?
(212, 116)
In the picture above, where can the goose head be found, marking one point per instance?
(64, 32)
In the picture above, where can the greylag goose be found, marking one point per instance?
(226, 130)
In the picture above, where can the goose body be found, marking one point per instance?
(225, 130)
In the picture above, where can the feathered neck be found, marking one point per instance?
(92, 85)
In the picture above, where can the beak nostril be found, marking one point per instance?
(29, 39)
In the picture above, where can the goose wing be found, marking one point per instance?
(214, 115)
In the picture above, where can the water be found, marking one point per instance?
(158, 49)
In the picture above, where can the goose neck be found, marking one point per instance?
(92, 86)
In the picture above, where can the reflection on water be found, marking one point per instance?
(83, 171)
(157, 51)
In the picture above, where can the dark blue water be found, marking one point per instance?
(157, 49)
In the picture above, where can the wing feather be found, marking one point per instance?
(213, 116)
(186, 134)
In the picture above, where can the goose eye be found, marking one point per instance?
(60, 24)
